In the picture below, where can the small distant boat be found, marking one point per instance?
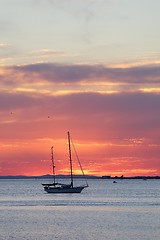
(56, 187)
(144, 178)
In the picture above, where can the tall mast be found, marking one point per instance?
(53, 166)
(70, 159)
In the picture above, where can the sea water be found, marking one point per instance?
(126, 210)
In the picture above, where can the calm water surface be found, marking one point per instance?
(127, 210)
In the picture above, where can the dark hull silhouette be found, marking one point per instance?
(51, 189)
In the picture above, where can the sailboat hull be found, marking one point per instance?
(64, 190)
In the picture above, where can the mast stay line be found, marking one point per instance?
(79, 162)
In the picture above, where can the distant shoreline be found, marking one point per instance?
(77, 176)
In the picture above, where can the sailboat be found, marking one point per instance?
(56, 187)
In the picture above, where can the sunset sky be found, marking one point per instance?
(91, 67)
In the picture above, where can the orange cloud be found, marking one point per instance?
(115, 134)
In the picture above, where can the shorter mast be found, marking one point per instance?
(53, 166)
(70, 159)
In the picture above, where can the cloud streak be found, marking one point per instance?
(128, 78)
